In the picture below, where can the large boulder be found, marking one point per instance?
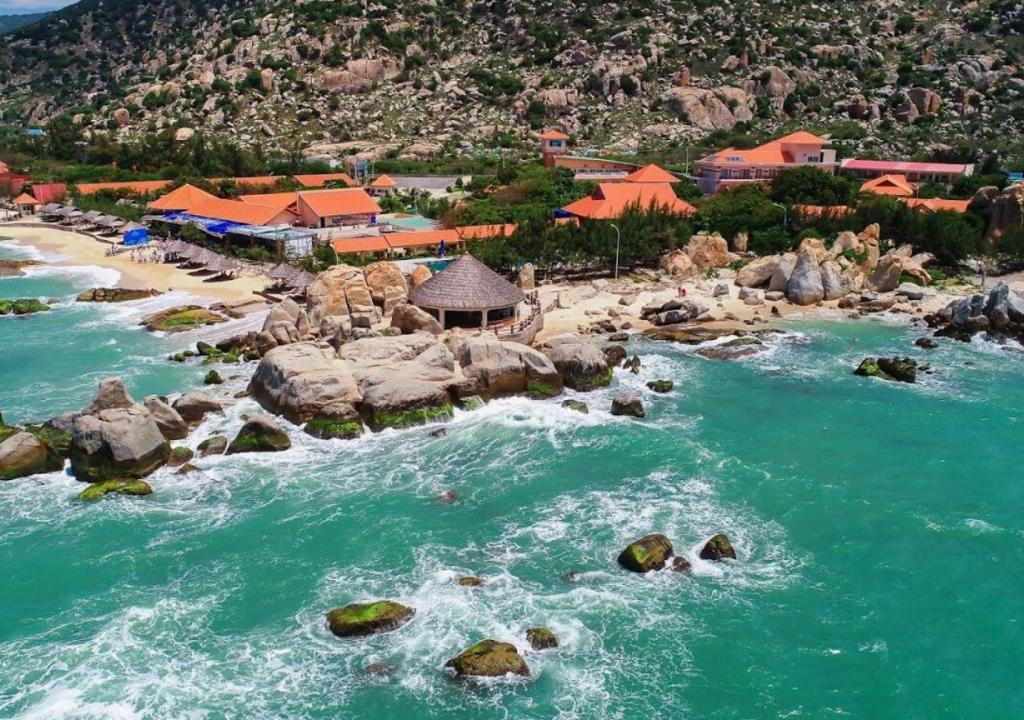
(24, 454)
(411, 319)
(340, 290)
(505, 368)
(339, 421)
(718, 548)
(708, 251)
(260, 434)
(676, 263)
(419, 275)
(95, 491)
(489, 658)
(582, 366)
(757, 272)
(111, 394)
(805, 284)
(628, 404)
(816, 247)
(400, 403)
(361, 619)
(895, 368)
(886, 275)
(834, 283)
(117, 444)
(172, 425)
(194, 406)
(650, 552)
(380, 277)
(783, 271)
(299, 380)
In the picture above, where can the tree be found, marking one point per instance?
(812, 186)
(745, 208)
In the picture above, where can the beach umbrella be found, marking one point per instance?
(221, 264)
(302, 280)
(190, 251)
(282, 272)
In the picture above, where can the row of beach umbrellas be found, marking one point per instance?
(291, 277)
(71, 215)
(196, 255)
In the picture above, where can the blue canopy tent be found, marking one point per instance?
(136, 237)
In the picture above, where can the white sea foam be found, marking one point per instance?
(86, 275)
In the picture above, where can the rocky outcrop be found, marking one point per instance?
(386, 284)
(629, 405)
(339, 291)
(500, 368)
(676, 263)
(117, 444)
(111, 394)
(182, 319)
(582, 366)
(650, 552)
(401, 403)
(674, 311)
(300, 380)
(1000, 314)
(340, 421)
(260, 434)
(172, 425)
(718, 548)
(489, 658)
(361, 619)
(708, 251)
(895, 368)
(23, 454)
(757, 272)
(411, 319)
(115, 295)
(805, 284)
(194, 406)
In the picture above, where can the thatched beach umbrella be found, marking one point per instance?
(221, 264)
(301, 280)
(282, 272)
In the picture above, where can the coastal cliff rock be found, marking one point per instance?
(650, 552)
(300, 380)
(505, 368)
(172, 425)
(361, 619)
(582, 366)
(23, 454)
(194, 406)
(489, 658)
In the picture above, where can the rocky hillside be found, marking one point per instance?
(10, 23)
(330, 76)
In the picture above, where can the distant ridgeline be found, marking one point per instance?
(9, 23)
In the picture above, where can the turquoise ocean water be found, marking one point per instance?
(879, 529)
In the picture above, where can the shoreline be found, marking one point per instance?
(67, 248)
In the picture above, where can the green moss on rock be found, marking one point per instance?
(539, 389)
(576, 405)
(260, 434)
(359, 619)
(328, 429)
(179, 456)
(118, 487)
(213, 378)
(648, 553)
(213, 445)
(382, 419)
(661, 386)
(541, 638)
(28, 306)
(489, 658)
(718, 548)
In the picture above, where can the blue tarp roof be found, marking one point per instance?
(139, 236)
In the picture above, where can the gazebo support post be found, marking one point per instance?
(440, 312)
(483, 319)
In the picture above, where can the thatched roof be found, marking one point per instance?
(281, 272)
(301, 280)
(466, 284)
(222, 264)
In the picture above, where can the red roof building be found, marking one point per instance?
(318, 181)
(47, 193)
(913, 171)
(328, 208)
(763, 163)
(613, 200)
(891, 185)
(182, 198)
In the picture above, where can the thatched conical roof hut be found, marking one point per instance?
(467, 293)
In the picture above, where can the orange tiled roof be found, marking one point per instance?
(318, 181)
(893, 185)
(553, 135)
(139, 187)
(360, 245)
(771, 153)
(348, 201)
(612, 200)
(235, 211)
(937, 204)
(181, 198)
(26, 199)
(481, 232)
(279, 200)
(49, 192)
(384, 181)
(651, 174)
(423, 238)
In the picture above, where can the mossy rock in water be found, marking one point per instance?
(118, 487)
(629, 405)
(260, 434)
(576, 405)
(926, 343)
(338, 421)
(28, 306)
(179, 456)
(718, 548)
(473, 402)
(359, 619)
(470, 581)
(539, 389)
(213, 378)
(22, 454)
(661, 386)
(382, 419)
(489, 658)
(5, 307)
(182, 319)
(213, 445)
(648, 553)
(541, 638)
(57, 440)
(896, 369)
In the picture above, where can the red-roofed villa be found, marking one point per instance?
(763, 164)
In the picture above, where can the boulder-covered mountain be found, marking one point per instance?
(10, 23)
(326, 76)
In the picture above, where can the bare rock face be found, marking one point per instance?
(833, 281)
(782, 272)
(112, 394)
(117, 444)
(676, 263)
(926, 101)
(300, 380)
(805, 284)
(707, 109)
(420, 274)
(581, 365)
(758, 272)
(380, 276)
(23, 454)
(816, 247)
(708, 251)
(122, 117)
(886, 276)
(340, 290)
(194, 406)
(1007, 210)
(411, 319)
(172, 425)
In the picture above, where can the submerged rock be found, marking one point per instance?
(213, 445)
(213, 378)
(115, 295)
(718, 548)
(541, 638)
(576, 405)
(470, 581)
(118, 487)
(661, 386)
(926, 343)
(360, 619)
(489, 658)
(629, 405)
(895, 368)
(648, 553)
(732, 349)
(260, 434)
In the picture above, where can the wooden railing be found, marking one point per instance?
(536, 311)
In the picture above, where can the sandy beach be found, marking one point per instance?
(74, 248)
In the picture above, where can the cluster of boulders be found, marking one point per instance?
(703, 251)
(999, 314)
(115, 295)
(815, 273)
(24, 306)
(653, 552)
(390, 381)
(897, 369)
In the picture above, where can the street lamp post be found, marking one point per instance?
(785, 214)
(618, 241)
